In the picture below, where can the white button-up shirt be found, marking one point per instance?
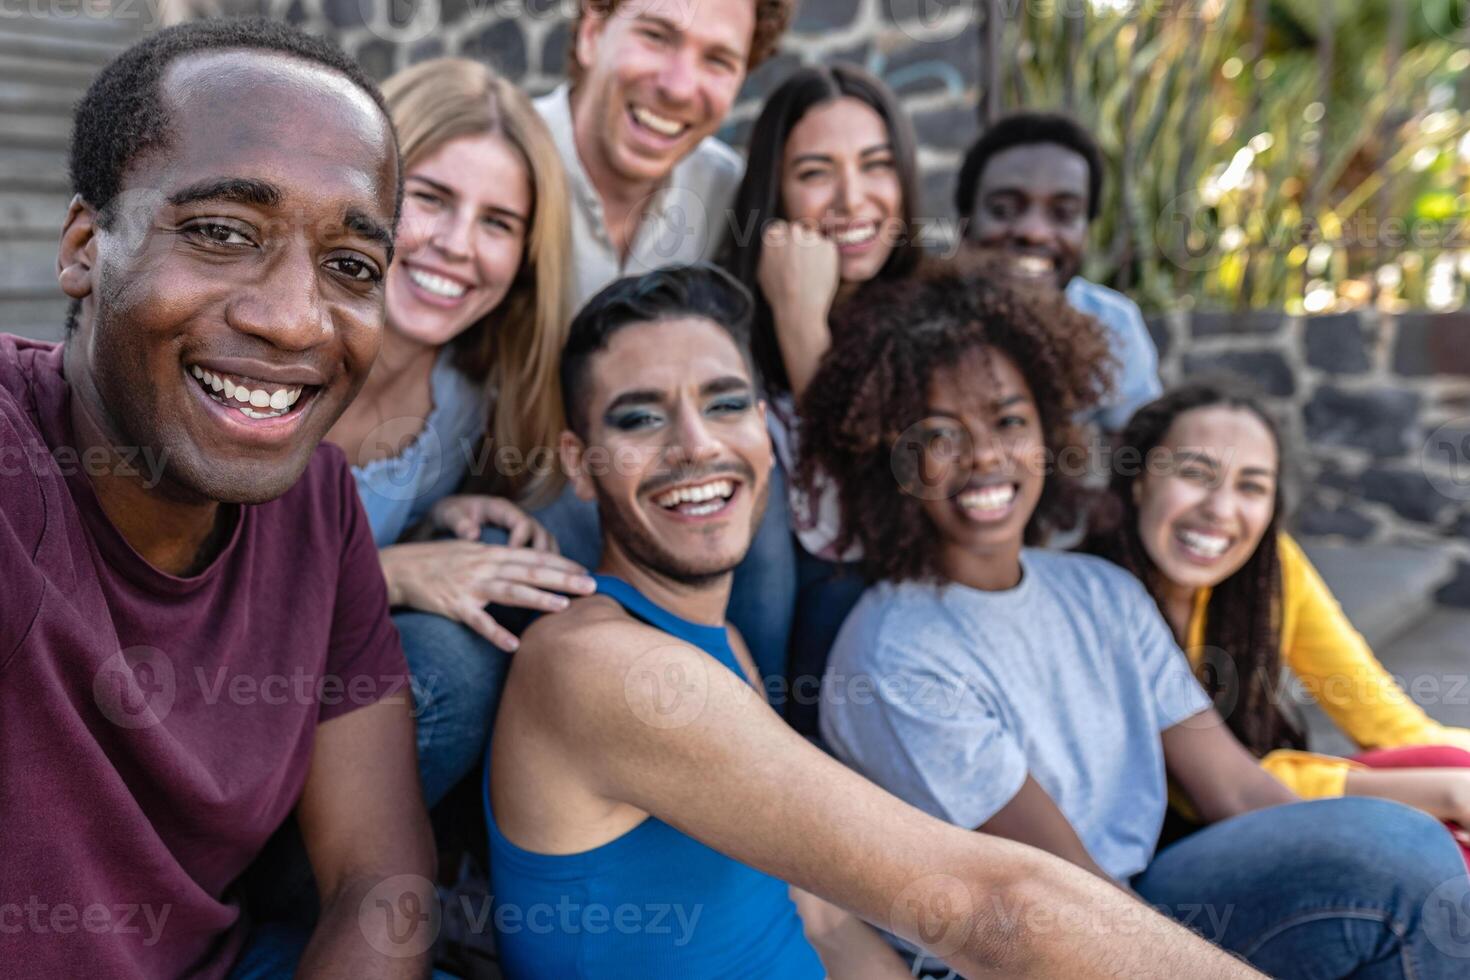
(684, 222)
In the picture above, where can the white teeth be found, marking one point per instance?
(1208, 545)
(437, 285)
(659, 124)
(989, 498)
(855, 236)
(1033, 265)
(254, 403)
(720, 489)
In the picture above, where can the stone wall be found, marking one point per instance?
(1378, 408)
(926, 50)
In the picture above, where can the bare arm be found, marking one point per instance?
(1216, 772)
(367, 835)
(1442, 793)
(722, 767)
(1033, 817)
(849, 948)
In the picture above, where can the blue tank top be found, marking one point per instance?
(653, 903)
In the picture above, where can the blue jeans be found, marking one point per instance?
(1347, 887)
(458, 674)
(273, 951)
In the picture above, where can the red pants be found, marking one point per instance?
(1422, 757)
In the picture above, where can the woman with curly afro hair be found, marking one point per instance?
(1039, 695)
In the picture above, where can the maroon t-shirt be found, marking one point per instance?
(155, 730)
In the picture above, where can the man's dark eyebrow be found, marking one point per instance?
(241, 190)
(673, 28)
(359, 222)
(638, 396)
(725, 385)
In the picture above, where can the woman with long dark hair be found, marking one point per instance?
(1195, 512)
(828, 203)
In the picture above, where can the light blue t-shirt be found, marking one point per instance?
(1136, 382)
(397, 491)
(948, 696)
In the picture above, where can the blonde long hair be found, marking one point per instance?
(515, 349)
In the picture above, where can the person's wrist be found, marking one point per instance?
(388, 561)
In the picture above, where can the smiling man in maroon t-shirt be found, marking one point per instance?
(194, 632)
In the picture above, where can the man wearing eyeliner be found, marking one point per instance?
(194, 636)
(636, 769)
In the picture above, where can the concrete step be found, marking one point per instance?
(42, 316)
(28, 168)
(1386, 591)
(39, 130)
(72, 50)
(49, 72)
(28, 214)
(110, 23)
(27, 267)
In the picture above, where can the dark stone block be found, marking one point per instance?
(555, 53)
(937, 188)
(1253, 323)
(950, 128)
(859, 55)
(1378, 421)
(1266, 369)
(737, 134)
(1339, 344)
(542, 9)
(1159, 330)
(1333, 477)
(1315, 520)
(347, 13)
(430, 47)
(1409, 492)
(917, 14)
(296, 13)
(950, 65)
(377, 58)
(502, 46)
(1456, 592)
(453, 11)
(824, 16)
(765, 79)
(1433, 343)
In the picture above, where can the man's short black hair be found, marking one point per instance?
(122, 115)
(700, 290)
(1025, 129)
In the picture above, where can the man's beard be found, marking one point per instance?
(644, 549)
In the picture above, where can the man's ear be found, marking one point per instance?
(589, 35)
(571, 450)
(76, 256)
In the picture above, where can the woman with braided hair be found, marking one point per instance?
(1199, 521)
(1039, 695)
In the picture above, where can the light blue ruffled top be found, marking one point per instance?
(397, 491)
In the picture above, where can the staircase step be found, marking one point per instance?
(41, 317)
(32, 213)
(1385, 590)
(119, 23)
(46, 132)
(33, 169)
(67, 75)
(72, 50)
(27, 267)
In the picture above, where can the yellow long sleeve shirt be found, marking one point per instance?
(1335, 665)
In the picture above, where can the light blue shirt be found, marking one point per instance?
(948, 696)
(397, 491)
(1136, 382)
